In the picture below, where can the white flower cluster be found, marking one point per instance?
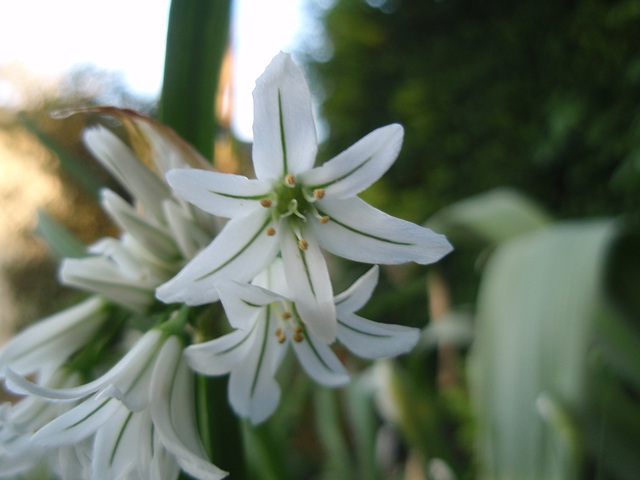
(266, 266)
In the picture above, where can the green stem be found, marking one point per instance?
(220, 428)
(197, 39)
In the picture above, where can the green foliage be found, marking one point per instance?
(538, 95)
(555, 366)
(62, 242)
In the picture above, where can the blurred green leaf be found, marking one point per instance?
(62, 242)
(539, 299)
(328, 425)
(491, 217)
(363, 422)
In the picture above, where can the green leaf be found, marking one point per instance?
(362, 420)
(62, 242)
(537, 307)
(329, 431)
(491, 217)
(197, 39)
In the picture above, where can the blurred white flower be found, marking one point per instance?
(267, 322)
(44, 346)
(294, 208)
(160, 232)
(20, 420)
(140, 415)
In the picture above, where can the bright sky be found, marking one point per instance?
(128, 36)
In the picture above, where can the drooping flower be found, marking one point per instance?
(160, 231)
(46, 345)
(267, 321)
(294, 209)
(20, 420)
(140, 414)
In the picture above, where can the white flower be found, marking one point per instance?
(161, 231)
(294, 208)
(140, 413)
(267, 321)
(20, 420)
(44, 346)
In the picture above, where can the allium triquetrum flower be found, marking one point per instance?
(141, 414)
(160, 231)
(267, 323)
(294, 208)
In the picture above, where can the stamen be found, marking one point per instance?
(324, 219)
(270, 231)
(298, 329)
(286, 315)
(318, 193)
(266, 203)
(282, 338)
(278, 332)
(290, 180)
(302, 243)
(298, 337)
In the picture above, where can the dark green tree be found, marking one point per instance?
(541, 95)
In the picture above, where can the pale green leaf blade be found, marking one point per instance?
(535, 318)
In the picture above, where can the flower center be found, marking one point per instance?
(290, 199)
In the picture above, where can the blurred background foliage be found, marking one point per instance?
(540, 95)
(522, 144)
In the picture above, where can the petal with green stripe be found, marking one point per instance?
(357, 231)
(239, 252)
(221, 194)
(359, 166)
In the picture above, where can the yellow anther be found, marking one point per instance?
(298, 337)
(286, 315)
(282, 338)
(324, 219)
(302, 243)
(266, 203)
(318, 193)
(278, 332)
(298, 329)
(290, 179)
(270, 231)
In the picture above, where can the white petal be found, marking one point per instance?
(121, 162)
(150, 233)
(375, 340)
(283, 128)
(78, 423)
(242, 302)
(358, 294)
(124, 374)
(153, 459)
(221, 194)
(253, 391)
(116, 442)
(221, 355)
(319, 361)
(309, 282)
(274, 279)
(240, 251)
(167, 388)
(359, 166)
(53, 339)
(187, 234)
(100, 275)
(359, 232)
